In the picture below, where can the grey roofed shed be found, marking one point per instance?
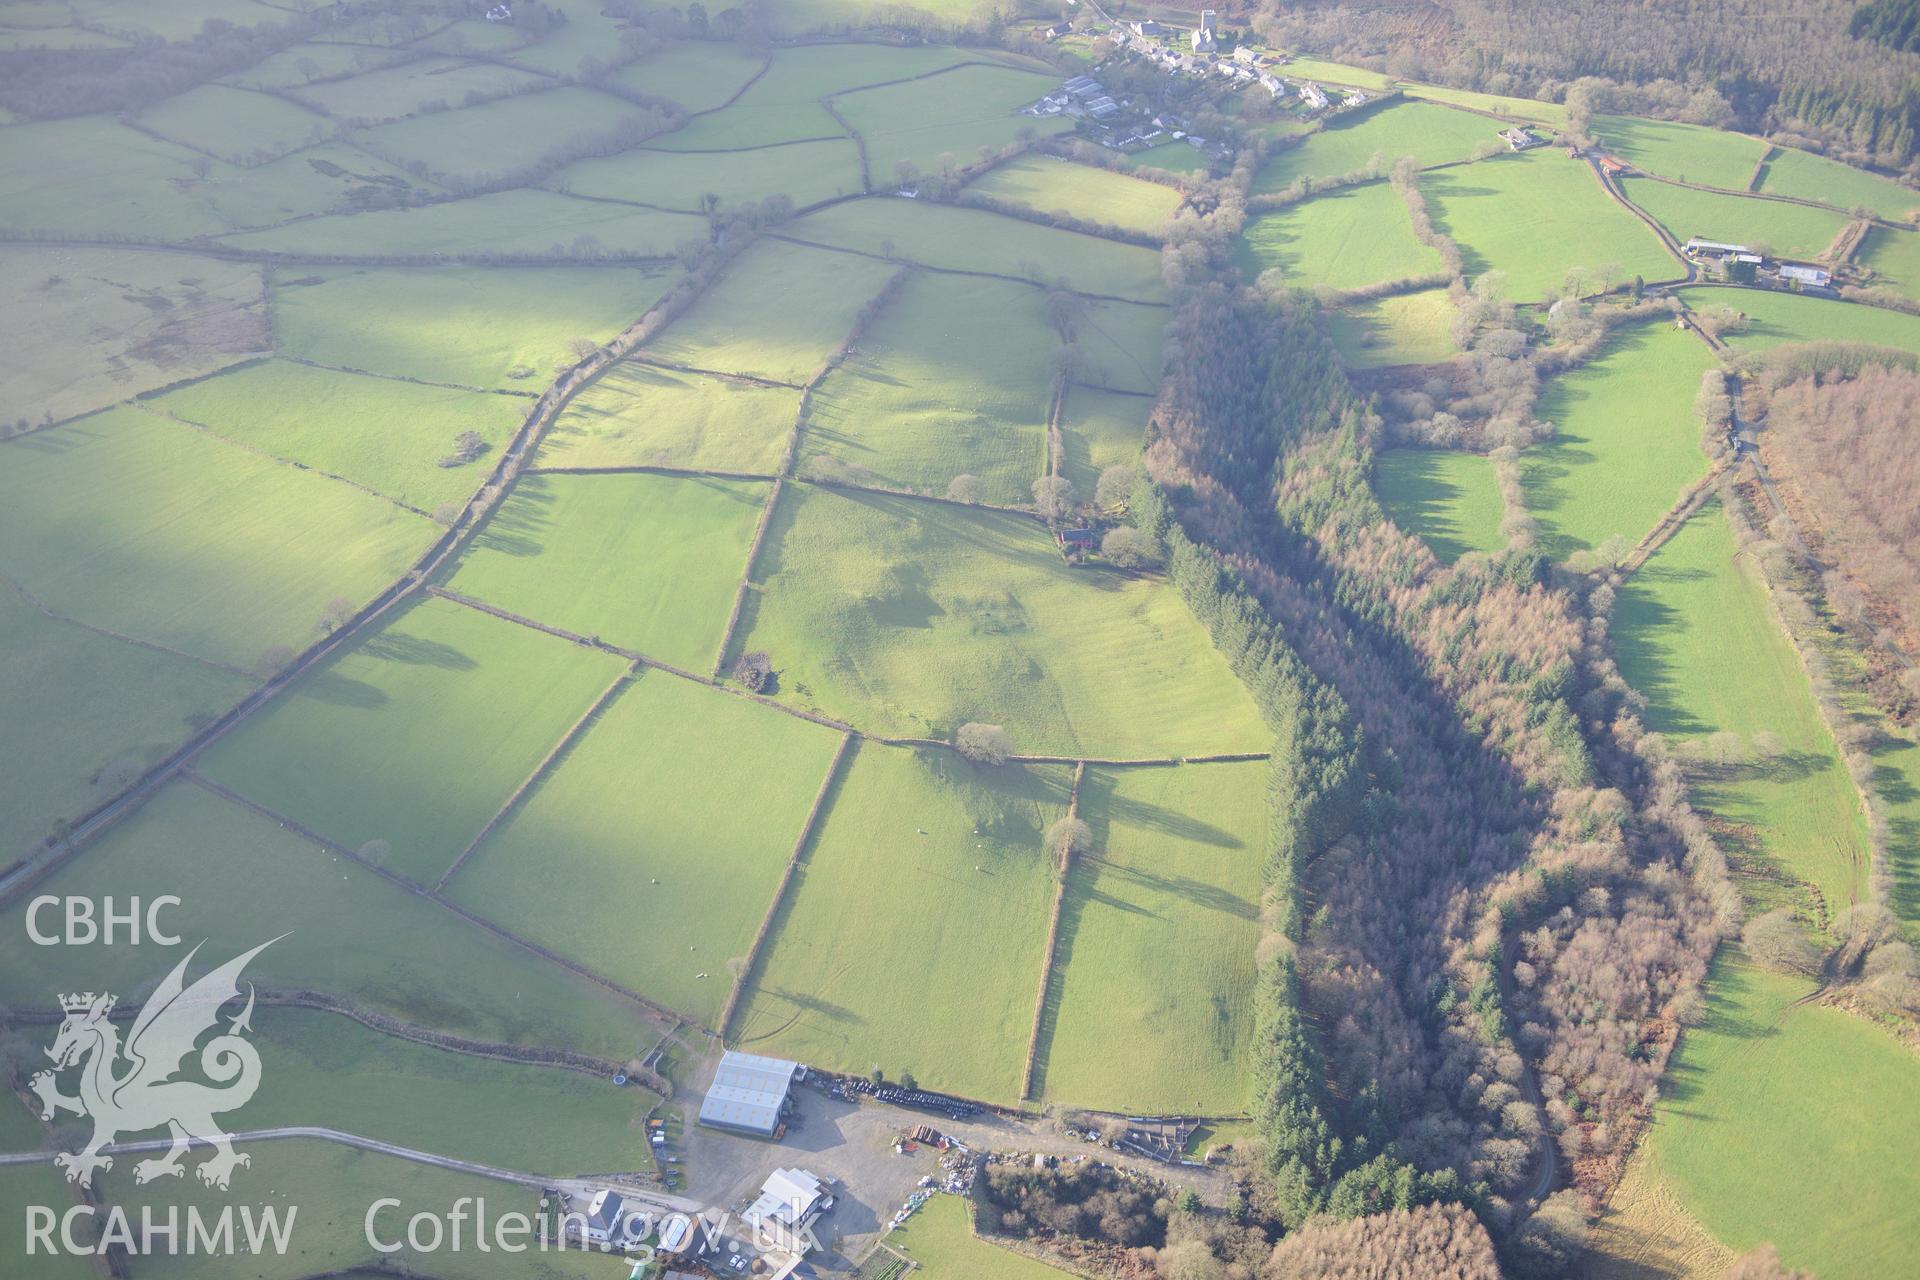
(748, 1093)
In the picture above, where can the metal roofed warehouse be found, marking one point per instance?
(748, 1094)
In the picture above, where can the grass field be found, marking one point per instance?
(523, 222)
(334, 1188)
(1446, 496)
(1811, 177)
(112, 323)
(1547, 113)
(805, 172)
(1152, 1000)
(1768, 226)
(1774, 318)
(1403, 328)
(1310, 68)
(641, 415)
(1696, 635)
(953, 115)
(1645, 1230)
(1174, 157)
(396, 92)
(1626, 440)
(1534, 216)
(238, 125)
(1120, 345)
(700, 75)
(614, 861)
(37, 1184)
(92, 176)
(975, 240)
(1793, 1125)
(149, 527)
(912, 618)
(949, 378)
(1346, 239)
(913, 939)
(1097, 430)
(784, 104)
(243, 879)
(1431, 134)
(1683, 152)
(646, 562)
(941, 1240)
(470, 326)
(85, 713)
(327, 1070)
(1049, 185)
(379, 432)
(778, 313)
(497, 139)
(443, 702)
(330, 177)
(300, 64)
(1895, 259)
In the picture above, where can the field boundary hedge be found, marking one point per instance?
(1053, 942)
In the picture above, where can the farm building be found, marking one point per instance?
(1519, 139)
(1313, 95)
(1059, 29)
(1146, 27)
(1697, 247)
(749, 1094)
(789, 1201)
(1803, 274)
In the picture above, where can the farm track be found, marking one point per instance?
(1053, 945)
(1676, 516)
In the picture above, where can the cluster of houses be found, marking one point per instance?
(1742, 265)
(1249, 65)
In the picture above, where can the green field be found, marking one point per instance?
(302, 63)
(334, 1188)
(379, 432)
(243, 879)
(934, 122)
(37, 1184)
(616, 861)
(1696, 635)
(804, 172)
(443, 702)
(974, 240)
(238, 125)
(1794, 1125)
(1120, 345)
(949, 378)
(940, 1239)
(478, 327)
(128, 521)
(573, 49)
(784, 105)
(1152, 1000)
(396, 92)
(85, 714)
(913, 939)
(639, 414)
(1431, 134)
(524, 222)
(1447, 497)
(1811, 177)
(912, 618)
(1534, 216)
(1767, 226)
(1774, 318)
(1174, 157)
(647, 562)
(331, 177)
(1895, 259)
(112, 323)
(778, 313)
(1402, 328)
(1683, 152)
(1310, 68)
(1626, 440)
(1049, 185)
(327, 1070)
(1097, 430)
(92, 176)
(1347, 239)
(497, 139)
(700, 75)
(1547, 113)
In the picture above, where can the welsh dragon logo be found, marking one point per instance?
(143, 1094)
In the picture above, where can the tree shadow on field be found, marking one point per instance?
(395, 646)
(337, 690)
(814, 1004)
(1646, 630)
(1156, 817)
(520, 525)
(1199, 892)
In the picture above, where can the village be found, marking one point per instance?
(786, 1172)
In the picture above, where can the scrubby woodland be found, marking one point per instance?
(1801, 67)
(1844, 448)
